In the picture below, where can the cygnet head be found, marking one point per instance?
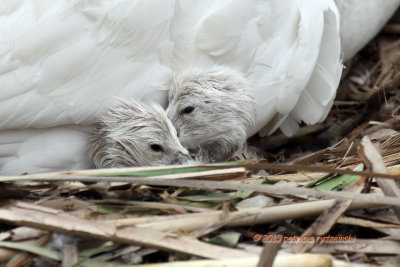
(129, 134)
(211, 109)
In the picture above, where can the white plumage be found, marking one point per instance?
(361, 20)
(61, 61)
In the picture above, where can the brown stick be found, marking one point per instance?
(389, 187)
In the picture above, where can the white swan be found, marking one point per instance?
(61, 61)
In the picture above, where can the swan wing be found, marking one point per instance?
(289, 50)
(61, 62)
(65, 59)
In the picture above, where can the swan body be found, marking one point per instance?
(361, 20)
(62, 61)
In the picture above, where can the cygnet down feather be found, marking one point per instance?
(130, 134)
(212, 110)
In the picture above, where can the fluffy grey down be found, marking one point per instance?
(129, 133)
(212, 110)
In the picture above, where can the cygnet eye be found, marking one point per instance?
(156, 148)
(188, 110)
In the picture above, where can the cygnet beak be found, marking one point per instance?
(180, 158)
